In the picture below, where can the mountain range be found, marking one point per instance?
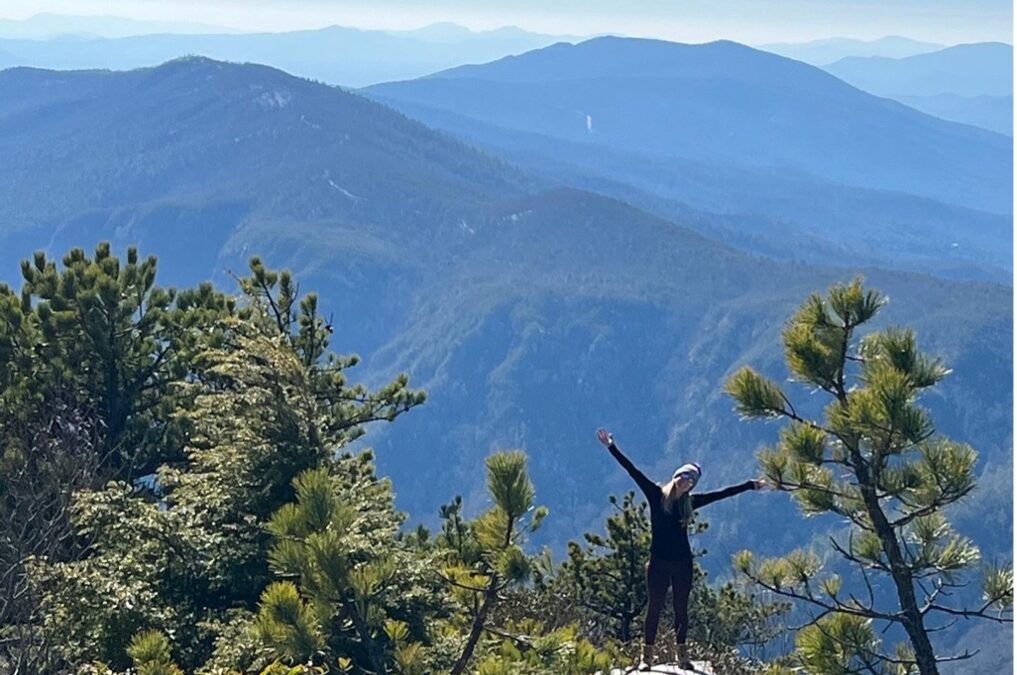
(48, 25)
(723, 102)
(531, 310)
(983, 69)
(994, 113)
(971, 83)
(335, 54)
(822, 52)
(354, 57)
(677, 127)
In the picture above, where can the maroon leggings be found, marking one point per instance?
(660, 574)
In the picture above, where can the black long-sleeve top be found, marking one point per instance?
(669, 537)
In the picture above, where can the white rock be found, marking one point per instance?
(699, 668)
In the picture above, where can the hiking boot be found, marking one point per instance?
(682, 657)
(646, 662)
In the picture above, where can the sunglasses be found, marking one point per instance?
(687, 475)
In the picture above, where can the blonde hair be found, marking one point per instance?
(682, 505)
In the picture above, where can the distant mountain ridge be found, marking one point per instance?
(982, 69)
(725, 102)
(335, 54)
(971, 84)
(822, 52)
(47, 25)
(610, 133)
(612, 56)
(342, 139)
(758, 210)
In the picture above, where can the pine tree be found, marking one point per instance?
(150, 652)
(253, 400)
(88, 352)
(356, 591)
(101, 330)
(608, 576)
(874, 459)
(494, 559)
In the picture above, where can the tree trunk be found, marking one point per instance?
(364, 631)
(478, 626)
(912, 617)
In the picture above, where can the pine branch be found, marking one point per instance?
(866, 652)
(936, 505)
(791, 414)
(451, 582)
(958, 657)
(968, 613)
(841, 393)
(838, 606)
(525, 642)
(949, 624)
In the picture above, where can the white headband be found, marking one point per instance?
(692, 468)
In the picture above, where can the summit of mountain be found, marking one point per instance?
(203, 130)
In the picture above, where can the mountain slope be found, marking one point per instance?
(994, 113)
(723, 102)
(209, 128)
(759, 210)
(980, 69)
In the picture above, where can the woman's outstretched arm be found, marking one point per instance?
(648, 487)
(703, 498)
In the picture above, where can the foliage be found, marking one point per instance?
(209, 520)
(357, 591)
(253, 398)
(150, 652)
(608, 577)
(873, 458)
(485, 557)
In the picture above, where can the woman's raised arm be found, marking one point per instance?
(648, 487)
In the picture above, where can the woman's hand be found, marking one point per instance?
(605, 437)
(759, 484)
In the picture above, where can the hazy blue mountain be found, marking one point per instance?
(169, 144)
(760, 210)
(724, 103)
(519, 39)
(994, 113)
(532, 314)
(980, 69)
(47, 25)
(337, 55)
(822, 52)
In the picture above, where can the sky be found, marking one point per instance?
(750, 21)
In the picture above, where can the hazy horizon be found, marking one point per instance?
(740, 20)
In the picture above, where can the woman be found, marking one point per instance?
(671, 507)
